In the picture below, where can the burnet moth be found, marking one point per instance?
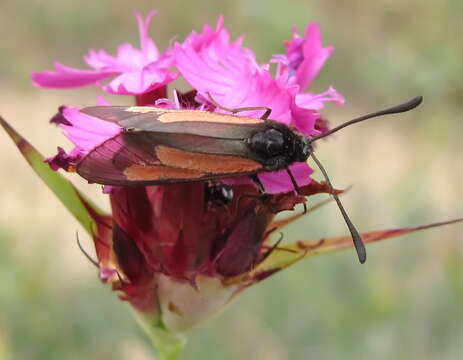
(162, 146)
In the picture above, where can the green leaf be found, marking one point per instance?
(290, 253)
(83, 209)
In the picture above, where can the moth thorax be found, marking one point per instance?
(270, 142)
(302, 149)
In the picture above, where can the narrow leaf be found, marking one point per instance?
(290, 253)
(86, 213)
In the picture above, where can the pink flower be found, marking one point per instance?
(185, 236)
(213, 65)
(134, 71)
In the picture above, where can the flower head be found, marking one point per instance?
(133, 71)
(181, 236)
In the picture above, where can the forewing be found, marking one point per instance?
(194, 122)
(148, 158)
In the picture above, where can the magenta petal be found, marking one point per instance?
(213, 64)
(65, 161)
(65, 77)
(304, 57)
(280, 182)
(146, 43)
(315, 56)
(316, 101)
(261, 89)
(87, 132)
(235, 81)
(139, 82)
(101, 101)
(203, 74)
(102, 61)
(304, 120)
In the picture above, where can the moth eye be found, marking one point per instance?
(129, 129)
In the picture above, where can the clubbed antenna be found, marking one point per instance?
(358, 242)
(356, 238)
(409, 105)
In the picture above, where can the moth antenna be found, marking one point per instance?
(409, 105)
(356, 238)
(89, 258)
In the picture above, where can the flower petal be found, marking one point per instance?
(304, 56)
(280, 182)
(87, 132)
(212, 64)
(66, 77)
(140, 81)
(316, 101)
(64, 161)
(147, 45)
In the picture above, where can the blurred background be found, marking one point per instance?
(404, 303)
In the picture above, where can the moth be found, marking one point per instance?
(161, 146)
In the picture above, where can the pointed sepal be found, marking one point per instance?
(86, 213)
(290, 253)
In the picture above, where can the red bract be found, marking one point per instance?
(178, 234)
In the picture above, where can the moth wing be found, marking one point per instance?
(146, 118)
(125, 116)
(147, 159)
(106, 163)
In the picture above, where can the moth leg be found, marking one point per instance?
(296, 187)
(267, 112)
(260, 186)
(86, 254)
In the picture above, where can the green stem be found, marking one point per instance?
(168, 345)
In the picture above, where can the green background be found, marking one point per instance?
(405, 303)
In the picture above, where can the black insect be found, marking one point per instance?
(160, 146)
